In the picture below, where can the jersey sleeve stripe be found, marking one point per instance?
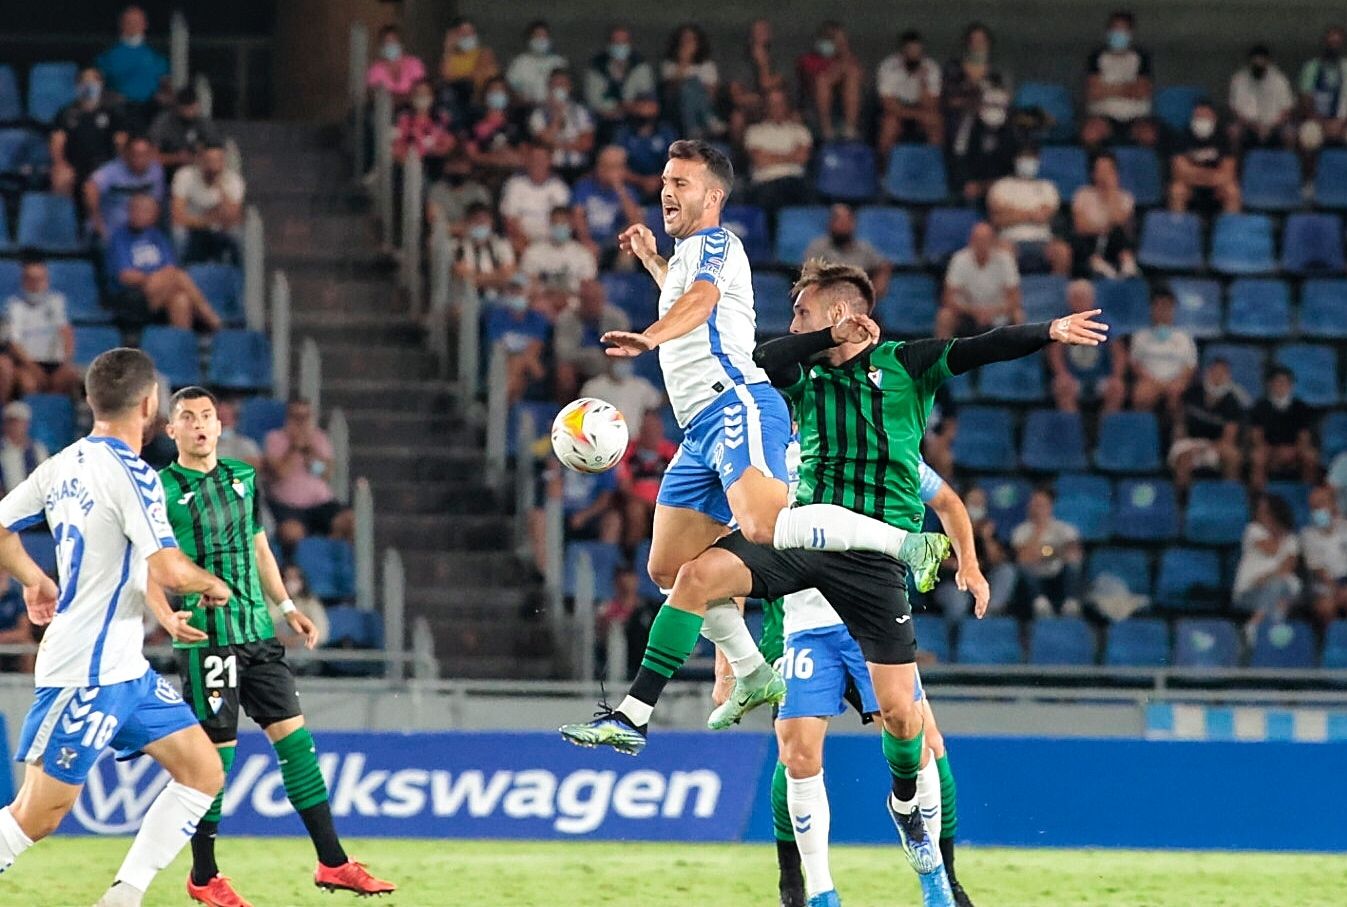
(718, 350)
(711, 261)
(752, 430)
(24, 522)
(140, 489)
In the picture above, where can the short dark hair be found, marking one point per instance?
(910, 36)
(1123, 15)
(827, 275)
(389, 29)
(1281, 511)
(186, 96)
(535, 25)
(117, 380)
(213, 145)
(1260, 50)
(1161, 293)
(1104, 156)
(1280, 371)
(477, 208)
(29, 256)
(715, 160)
(192, 392)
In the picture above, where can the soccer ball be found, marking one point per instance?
(589, 435)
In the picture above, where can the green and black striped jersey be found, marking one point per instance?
(215, 516)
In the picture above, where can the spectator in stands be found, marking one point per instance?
(298, 458)
(522, 332)
(493, 140)
(751, 76)
(465, 66)
(131, 67)
(632, 394)
(983, 145)
(180, 133)
(87, 133)
(1103, 224)
(15, 628)
(615, 78)
(141, 260)
(1207, 436)
(109, 189)
(1118, 88)
(297, 587)
(841, 246)
(564, 126)
(1262, 102)
(452, 195)
(208, 209)
(41, 343)
(604, 203)
(993, 558)
(1323, 93)
(481, 256)
(908, 85)
(424, 127)
(589, 509)
(1281, 433)
(942, 425)
(528, 198)
(1163, 359)
(640, 473)
(982, 287)
(559, 262)
(1324, 544)
(966, 80)
(20, 452)
(778, 151)
(830, 76)
(1266, 584)
(1049, 555)
(1022, 208)
(529, 73)
(395, 71)
(690, 82)
(1087, 374)
(646, 139)
(579, 353)
(1202, 170)
(614, 613)
(234, 444)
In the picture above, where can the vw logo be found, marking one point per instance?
(117, 795)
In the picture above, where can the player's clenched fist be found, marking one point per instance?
(217, 596)
(41, 601)
(856, 328)
(638, 240)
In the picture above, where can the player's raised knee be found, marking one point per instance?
(801, 761)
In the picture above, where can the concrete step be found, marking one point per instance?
(406, 428)
(333, 296)
(378, 330)
(501, 603)
(417, 464)
(452, 569)
(350, 263)
(315, 170)
(420, 397)
(488, 637)
(471, 667)
(465, 531)
(294, 229)
(259, 135)
(374, 362)
(464, 498)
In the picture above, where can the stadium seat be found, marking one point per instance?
(890, 231)
(24, 159)
(1335, 645)
(1131, 565)
(41, 547)
(1312, 244)
(1271, 180)
(1139, 642)
(240, 360)
(1198, 309)
(10, 280)
(51, 86)
(1217, 512)
(990, 641)
(846, 172)
(604, 559)
(92, 340)
(771, 297)
(1189, 579)
(53, 419)
(1316, 370)
(1330, 178)
(1297, 494)
(1260, 307)
(961, 388)
(1085, 502)
(796, 227)
(329, 565)
(916, 175)
(1246, 364)
(1126, 304)
(259, 415)
(77, 280)
(947, 232)
(1065, 166)
(1013, 380)
(932, 635)
(1145, 511)
(1044, 297)
(1172, 242)
(10, 273)
(1205, 643)
(749, 223)
(985, 439)
(47, 222)
(1061, 641)
(1333, 435)
(222, 285)
(1323, 309)
(1007, 501)
(352, 628)
(11, 102)
(1053, 441)
(1139, 174)
(1129, 442)
(1173, 105)
(909, 305)
(1242, 244)
(174, 353)
(633, 292)
(1055, 101)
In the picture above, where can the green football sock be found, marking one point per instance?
(780, 809)
(904, 758)
(227, 754)
(204, 867)
(307, 791)
(949, 801)
(673, 636)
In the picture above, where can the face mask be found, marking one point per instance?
(467, 44)
(1321, 517)
(497, 100)
(1258, 70)
(1280, 402)
(1203, 128)
(134, 41)
(911, 65)
(1118, 39)
(976, 57)
(1026, 168)
(422, 103)
(91, 91)
(516, 303)
(619, 52)
(1332, 53)
(392, 52)
(623, 370)
(993, 117)
(561, 232)
(479, 233)
(540, 45)
(840, 239)
(294, 587)
(1162, 332)
(825, 47)
(976, 513)
(1217, 390)
(561, 95)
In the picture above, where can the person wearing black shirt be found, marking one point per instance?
(87, 133)
(1202, 166)
(1206, 436)
(1281, 433)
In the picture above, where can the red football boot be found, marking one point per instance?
(350, 876)
(215, 893)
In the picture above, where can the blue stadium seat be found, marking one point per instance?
(890, 231)
(796, 227)
(1189, 578)
(10, 273)
(909, 305)
(11, 102)
(92, 340)
(990, 641)
(350, 627)
(222, 285)
(985, 439)
(1198, 309)
(1323, 308)
(916, 175)
(947, 232)
(53, 419)
(41, 547)
(1330, 178)
(961, 388)
(633, 292)
(771, 297)
(1131, 565)
(1335, 645)
(932, 635)
(1333, 435)
(1126, 304)
(1218, 511)
(1044, 296)
(1242, 244)
(329, 565)
(749, 223)
(1061, 641)
(604, 559)
(1312, 244)
(240, 360)
(51, 86)
(1066, 167)
(1013, 381)
(1316, 370)
(1173, 105)
(1139, 174)
(1128, 442)
(7, 285)
(1205, 643)
(174, 353)
(1271, 180)
(846, 172)
(77, 280)
(1140, 642)
(1170, 241)
(1246, 364)
(1085, 501)
(1053, 441)
(24, 158)
(259, 415)
(1145, 511)
(1297, 494)
(1260, 307)
(47, 222)
(1007, 501)
(1054, 100)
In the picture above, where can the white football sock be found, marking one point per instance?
(811, 819)
(169, 824)
(827, 527)
(637, 711)
(12, 839)
(928, 797)
(725, 627)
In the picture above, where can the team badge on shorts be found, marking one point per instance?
(66, 757)
(216, 702)
(166, 692)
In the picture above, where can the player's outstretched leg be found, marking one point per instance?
(828, 527)
(205, 885)
(790, 877)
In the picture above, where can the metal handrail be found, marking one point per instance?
(358, 52)
(424, 663)
(254, 271)
(339, 433)
(525, 476)
(584, 619)
(363, 505)
(437, 309)
(281, 318)
(413, 173)
(616, 654)
(469, 300)
(383, 164)
(311, 374)
(394, 601)
(554, 564)
(179, 39)
(497, 416)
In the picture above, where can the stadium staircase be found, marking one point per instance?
(424, 462)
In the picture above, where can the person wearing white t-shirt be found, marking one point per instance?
(1022, 207)
(778, 150)
(565, 126)
(1163, 359)
(1324, 545)
(633, 395)
(1265, 580)
(208, 208)
(528, 73)
(1262, 101)
(982, 287)
(908, 84)
(559, 262)
(41, 342)
(528, 198)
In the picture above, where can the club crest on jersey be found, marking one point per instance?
(239, 488)
(876, 376)
(216, 702)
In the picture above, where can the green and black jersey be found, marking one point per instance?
(215, 516)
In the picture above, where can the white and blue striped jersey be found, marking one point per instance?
(704, 363)
(105, 507)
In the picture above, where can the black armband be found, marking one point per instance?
(998, 345)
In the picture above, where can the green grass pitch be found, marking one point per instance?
(277, 873)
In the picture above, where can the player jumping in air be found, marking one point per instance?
(232, 657)
(95, 689)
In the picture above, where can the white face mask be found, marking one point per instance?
(1203, 128)
(133, 40)
(993, 117)
(1026, 168)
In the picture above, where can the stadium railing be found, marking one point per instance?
(358, 54)
(179, 40)
(497, 420)
(409, 272)
(339, 433)
(583, 619)
(311, 373)
(363, 505)
(383, 165)
(525, 478)
(254, 271)
(395, 601)
(281, 318)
